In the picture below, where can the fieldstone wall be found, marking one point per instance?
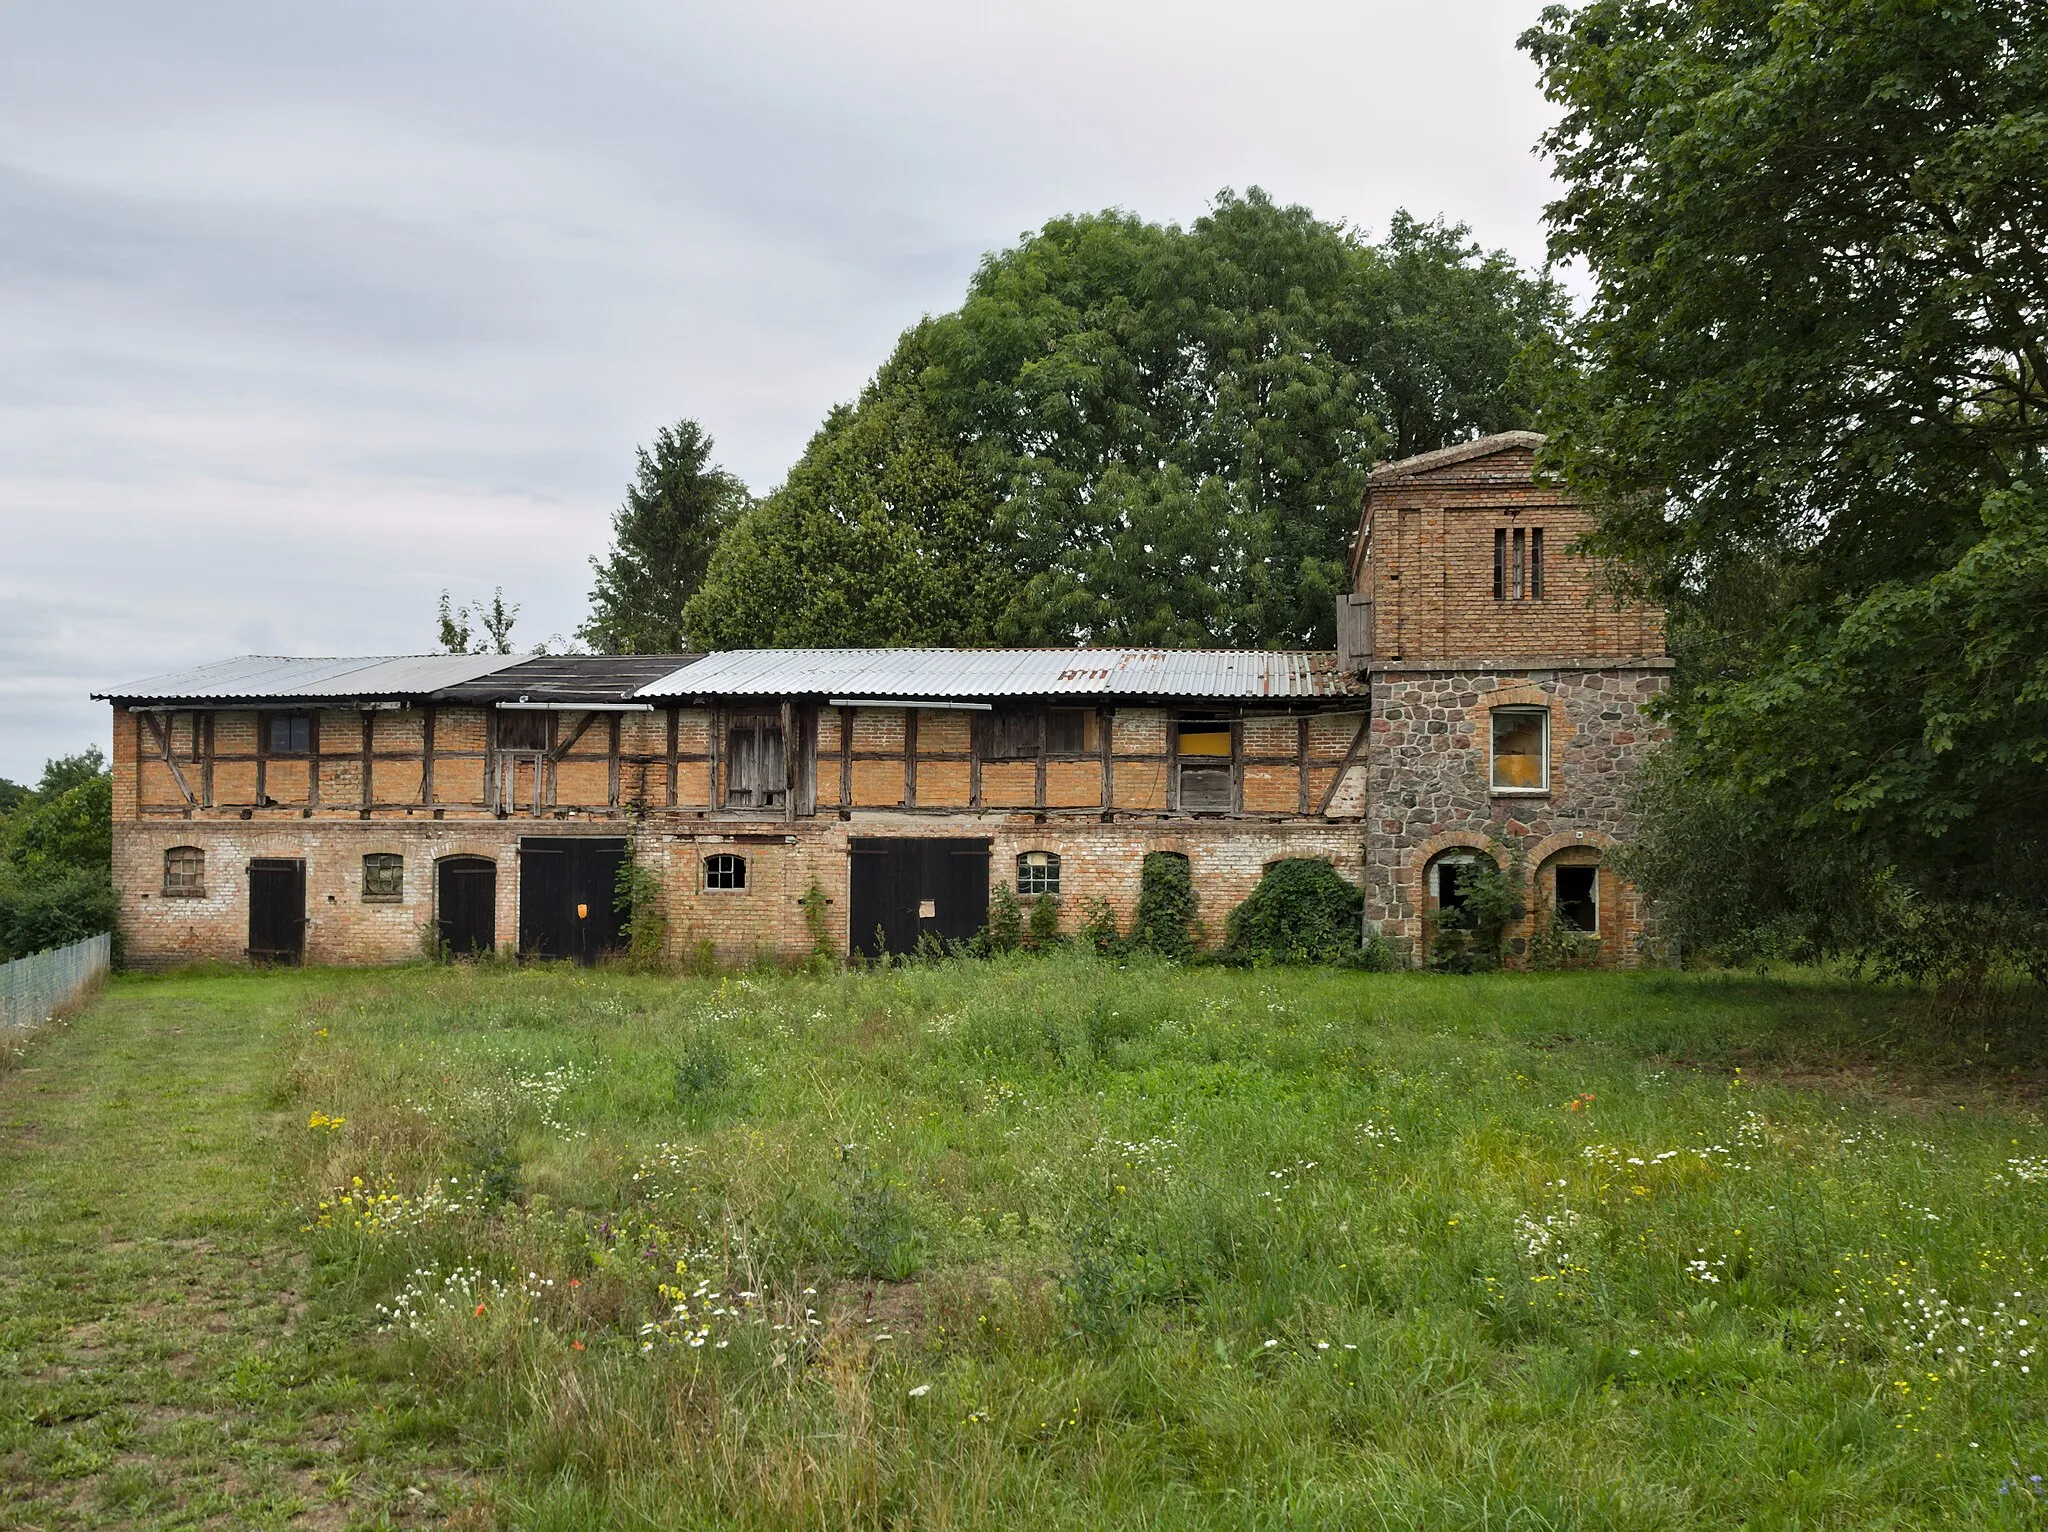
(1429, 789)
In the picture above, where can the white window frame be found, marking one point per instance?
(1493, 719)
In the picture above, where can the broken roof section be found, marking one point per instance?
(908, 675)
(462, 678)
(271, 678)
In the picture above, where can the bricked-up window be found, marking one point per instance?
(756, 774)
(1521, 749)
(1038, 872)
(1578, 898)
(383, 877)
(1202, 748)
(290, 733)
(184, 873)
(725, 871)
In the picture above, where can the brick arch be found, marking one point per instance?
(1414, 875)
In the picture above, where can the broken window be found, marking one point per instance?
(1578, 898)
(291, 733)
(1203, 757)
(184, 873)
(1517, 564)
(1535, 563)
(1521, 749)
(725, 871)
(756, 773)
(1450, 879)
(522, 729)
(383, 876)
(1500, 563)
(1038, 872)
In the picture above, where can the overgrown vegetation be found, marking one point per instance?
(1302, 912)
(1166, 916)
(1043, 1242)
(56, 857)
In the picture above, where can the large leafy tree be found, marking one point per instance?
(1162, 432)
(881, 535)
(679, 504)
(56, 858)
(1810, 398)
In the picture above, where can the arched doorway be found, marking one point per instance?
(1457, 933)
(466, 905)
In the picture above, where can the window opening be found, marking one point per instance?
(1202, 746)
(1578, 898)
(1450, 882)
(184, 873)
(1535, 563)
(1521, 749)
(383, 875)
(725, 870)
(1012, 734)
(1500, 563)
(290, 733)
(1072, 731)
(1520, 588)
(756, 776)
(1038, 872)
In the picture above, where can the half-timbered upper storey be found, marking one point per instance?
(745, 735)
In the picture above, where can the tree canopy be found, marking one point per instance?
(679, 503)
(1134, 432)
(1809, 400)
(56, 857)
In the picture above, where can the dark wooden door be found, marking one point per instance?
(277, 910)
(905, 888)
(568, 897)
(466, 904)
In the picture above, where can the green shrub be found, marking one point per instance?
(1005, 920)
(1043, 929)
(54, 909)
(1555, 945)
(823, 953)
(1098, 929)
(1301, 912)
(1166, 906)
(1471, 939)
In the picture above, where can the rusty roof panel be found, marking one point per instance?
(912, 674)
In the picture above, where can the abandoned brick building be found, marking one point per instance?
(1486, 697)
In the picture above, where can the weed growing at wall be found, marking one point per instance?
(1166, 906)
(1042, 930)
(824, 952)
(1005, 919)
(1301, 912)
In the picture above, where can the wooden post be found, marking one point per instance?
(674, 725)
(369, 758)
(1103, 716)
(612, 772)
(427, 755)
(206, 760)
(846, 758)
(910, 758)
(789, 767)
(1301, 764)
(313, 758)
(262, 758)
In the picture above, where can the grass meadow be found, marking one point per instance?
(1040, 1242)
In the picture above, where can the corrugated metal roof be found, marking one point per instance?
(264, 678)
(917, 673)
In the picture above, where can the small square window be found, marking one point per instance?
(725, 871)
(184, 873)
(290, 733)
(383, 877)
(1521, 750)
(1038, 872)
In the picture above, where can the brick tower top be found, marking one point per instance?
(1464, 559)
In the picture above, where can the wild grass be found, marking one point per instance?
(1054, 1242)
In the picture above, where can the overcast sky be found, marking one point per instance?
(307, 312)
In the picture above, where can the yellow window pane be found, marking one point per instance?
(1205, 742)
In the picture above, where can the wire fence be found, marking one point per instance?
(46, 984)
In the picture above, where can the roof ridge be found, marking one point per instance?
(1457, 452)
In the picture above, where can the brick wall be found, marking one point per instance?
(1427, 560)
